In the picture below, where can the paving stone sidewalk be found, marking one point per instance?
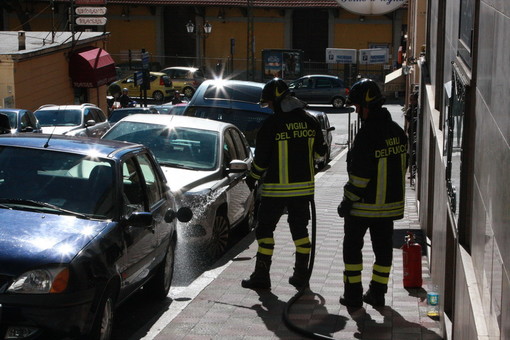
(225, 310)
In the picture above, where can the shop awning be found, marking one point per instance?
(395, 81)
(91, 68)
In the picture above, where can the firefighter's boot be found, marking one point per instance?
(260, 278)
(375, 294)
(352, 295)
(301, 275)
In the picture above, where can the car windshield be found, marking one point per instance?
(56, 182)
(163, 109)
(12, 118)
(59, 117)
(178, 147)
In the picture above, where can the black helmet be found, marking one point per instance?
(274, 90)
(365, 93)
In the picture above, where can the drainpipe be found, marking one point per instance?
(21, 40)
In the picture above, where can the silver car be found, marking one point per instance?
(320, 89)
(85, 120)
(205, 163)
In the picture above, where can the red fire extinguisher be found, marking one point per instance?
(411, 252)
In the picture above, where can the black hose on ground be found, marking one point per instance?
(285, 315)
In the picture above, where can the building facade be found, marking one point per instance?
(463, 157)
(240, 32)
(38, 68)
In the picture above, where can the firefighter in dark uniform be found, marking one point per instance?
(373, 195)
(286, 145)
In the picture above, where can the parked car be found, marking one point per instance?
(326, 128)
(205, 163)
(320, 89)
(160, 87)
(237, 102)
(85, 223)
(185, 79)
(118, 114)
(232, 101)
(171, 109)
(20, 120)
(124, 70)
(72, 120)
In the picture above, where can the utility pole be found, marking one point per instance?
(250, 53)
(71, 20)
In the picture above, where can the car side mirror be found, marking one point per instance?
(331, 128)
(237, 166)
(140, 219)
(90, 122)
(184, 214)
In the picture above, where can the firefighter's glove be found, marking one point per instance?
(251, 182)
(344, 208)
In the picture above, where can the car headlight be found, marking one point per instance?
(41, 281)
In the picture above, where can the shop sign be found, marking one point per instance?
(341, 56)
(91, 21)
(90, 10)
(371, 7)
(373, 56)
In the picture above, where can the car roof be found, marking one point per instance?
(131, 109)
(66, 107)
(12, 110)
(176, 120)
(232, 99)
(319, 75)
(234, 82)
(181, 68)
(78, 145)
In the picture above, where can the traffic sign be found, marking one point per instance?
(145, 60)
(91, 21)
(90, 10)
(138, 78)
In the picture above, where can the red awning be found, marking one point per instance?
(91, 68)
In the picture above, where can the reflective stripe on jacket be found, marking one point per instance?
(284, 154)
(377, 165)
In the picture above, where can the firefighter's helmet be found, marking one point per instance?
(364, 93)
(274, 91)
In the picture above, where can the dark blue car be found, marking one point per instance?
(84, 223)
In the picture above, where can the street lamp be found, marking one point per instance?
(206, 29)
(200, 35)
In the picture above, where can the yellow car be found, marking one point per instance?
(161, 87)
(185, 79)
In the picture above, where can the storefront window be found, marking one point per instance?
(453, 146)
(466, 29)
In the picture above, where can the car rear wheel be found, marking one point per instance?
(158, 96)
(188, 92)
(338, 102)
(159, 286)
(219, 238)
